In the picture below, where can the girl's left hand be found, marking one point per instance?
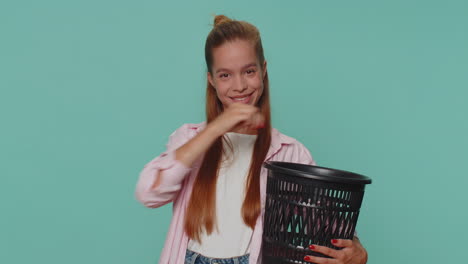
(352, 252)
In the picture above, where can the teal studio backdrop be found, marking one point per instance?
(91, 90)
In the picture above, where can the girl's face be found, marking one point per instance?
(237, 75)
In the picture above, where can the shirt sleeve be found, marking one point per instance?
(304, 156)
(174, 173)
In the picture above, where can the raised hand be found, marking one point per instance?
(238, 117)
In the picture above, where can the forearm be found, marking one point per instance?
(167, 187)
(197, 146)
(188, 153)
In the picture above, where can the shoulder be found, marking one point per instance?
(185, 132)
(278, 137)
(290, 149)
(189, 128)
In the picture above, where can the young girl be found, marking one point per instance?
(212, 171)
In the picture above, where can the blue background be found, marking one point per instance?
(91, 90)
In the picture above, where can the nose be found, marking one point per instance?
(241, 84)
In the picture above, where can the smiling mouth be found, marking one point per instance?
(242, 99)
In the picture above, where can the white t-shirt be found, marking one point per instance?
(232, 238)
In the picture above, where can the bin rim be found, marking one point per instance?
(318, 173)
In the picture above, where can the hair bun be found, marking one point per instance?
(220, 19)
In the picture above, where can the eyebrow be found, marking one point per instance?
(245, 66)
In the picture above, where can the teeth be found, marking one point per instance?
(239, 99)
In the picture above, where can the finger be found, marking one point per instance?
(252, 120)
(326, 251)
(247, 124)
(342, 242)
(261, 121)
(258, 121)
(243, 119)
(318, 260)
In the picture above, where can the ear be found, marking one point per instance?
(264, 68)
(210, 78)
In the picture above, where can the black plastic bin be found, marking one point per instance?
(308, 205)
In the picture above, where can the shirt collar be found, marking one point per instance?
(277, 141)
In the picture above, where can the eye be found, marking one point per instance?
(251, 71)
(223, 75)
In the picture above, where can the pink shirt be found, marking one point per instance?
(176, 186)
